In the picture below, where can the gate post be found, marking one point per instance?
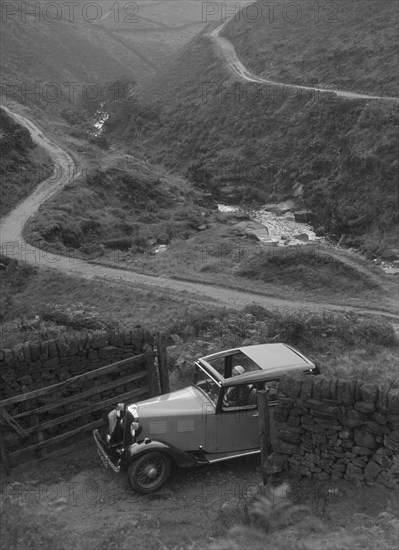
(265, 441)
(162, 363)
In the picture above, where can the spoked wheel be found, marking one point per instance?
(149, 472)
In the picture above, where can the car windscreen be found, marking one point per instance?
(206, 383)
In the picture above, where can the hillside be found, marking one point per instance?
(351, 45)
(22, 165)
(120, 204)
(250, 142)
(51, 52)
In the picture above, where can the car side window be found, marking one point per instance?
(272, 386)
(239, 397)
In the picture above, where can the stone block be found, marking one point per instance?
(390, 443)
(52, 348)
(291, 385)
(354, 418)
(353, 470)
(359, 462)
(282, 447)
(107, 351)
(322, 476)
(44, 349)
(393, 401)
(375, 428)
(369, 393)
(294, 421)
(301, 470)
(25, 380)
(338, 467)
(346, 391)
(67, 362)
(306, 389)
(362, 451)
(72, 348)
(276, 463)
(364, 438)
(127, 338)
(27, 354)
(345, 434)
(51, 363)
(393, 420)
(100, 339)
(372, 469)
(379, 418)
(62, 347)
(115, 338)
(281, 414)
(387, 482)
(34, 351)
(19, 353)
(365, 407)
(383, 457)
(316, 389)
(333, 388)
(394, 468)
(89, 341)
(336, 474)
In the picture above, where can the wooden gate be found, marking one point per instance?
(33, 423)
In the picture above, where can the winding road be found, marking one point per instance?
(233, 61)
(14, 246)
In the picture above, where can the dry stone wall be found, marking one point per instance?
(334, 428)
(31, 366)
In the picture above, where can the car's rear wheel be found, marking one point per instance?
(149, 472)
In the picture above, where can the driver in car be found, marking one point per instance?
(237, 395)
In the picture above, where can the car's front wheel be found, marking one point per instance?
(149, 472)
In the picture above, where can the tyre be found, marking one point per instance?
(149, 472)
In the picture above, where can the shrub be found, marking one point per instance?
(121, 243)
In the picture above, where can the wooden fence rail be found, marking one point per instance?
(22, 415)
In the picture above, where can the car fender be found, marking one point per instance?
(181, 458)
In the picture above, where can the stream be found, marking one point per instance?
(280, 224)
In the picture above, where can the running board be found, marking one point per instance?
(221, 457)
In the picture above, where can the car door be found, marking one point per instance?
(237, 427)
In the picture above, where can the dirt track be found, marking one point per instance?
(13, 245)
(238, 68)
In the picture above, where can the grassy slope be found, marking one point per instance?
(261, 144)
(120, 204)
(22, 166)
(351, 44)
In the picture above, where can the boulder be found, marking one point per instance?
(275, 463)
(281, 447)
(390, 254)
(372, 470)
(363, 438)
(303, 216)
(302, 237)
(320, 231)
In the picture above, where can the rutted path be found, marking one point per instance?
(239, 69)
(13, 245)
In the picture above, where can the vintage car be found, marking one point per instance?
(212, 420)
